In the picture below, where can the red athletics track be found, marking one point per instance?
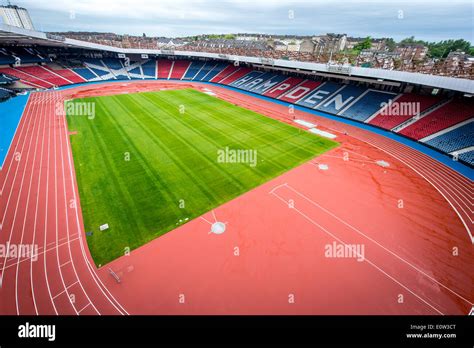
(408, 251)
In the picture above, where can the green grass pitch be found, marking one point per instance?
(147, 161)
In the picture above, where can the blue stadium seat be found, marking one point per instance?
(467, 157)
(341, 99)
(246, 78)
(193, 70)
(256, 81)
(213, 73)
(457, 139)
(149, 69)
(266, 85)
(204, 71)
(319, 94)
(85, 73)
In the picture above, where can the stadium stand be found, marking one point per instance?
(235, 76)
(5, 93)
(6, 79)
(341, 99)
(467, 157)
(218, 68)
(268, 84)
(367, 105)
(25, 78)
(300, 91)
(446, 116)
(67, 74)
(206, 69)
(179, 68)
(45, 75)
(404, 109)
(85, 73)
(193, 70)
(228, 71)
(456, 139)
(283, 87)
(149, 69)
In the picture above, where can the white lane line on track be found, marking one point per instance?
(45, 231)
(358, 231)
(62, 292)
(12, 264)
(33, 163)
(444, 194)
(365, 258)
(87, 305)
(56, 193)
(36, 215)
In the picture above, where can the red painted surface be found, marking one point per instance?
(408, 251)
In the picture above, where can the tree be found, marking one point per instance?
(364, 45)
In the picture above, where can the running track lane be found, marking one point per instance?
(38, 206)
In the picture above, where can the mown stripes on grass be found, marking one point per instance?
(145, 167)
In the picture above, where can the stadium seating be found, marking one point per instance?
(5, 93)
(149, 69)
(446, 116)
(341, 99)
(67, 74)
(367, 105)
(45, 75)
(300, 91)
(467, 157)
(273, 81)
(164, 68)
(235, 76)
(285, 86)
(26, 78)
(456, 139)
(228, 71)
(193, 70)
(6, 79)
(85, 73)
(395, 115)
(206, 69)
(179, 68)
(218, 68)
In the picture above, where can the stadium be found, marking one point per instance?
(157, 181)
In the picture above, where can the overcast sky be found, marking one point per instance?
(425, 19)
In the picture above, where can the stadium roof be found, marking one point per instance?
(20, 36)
